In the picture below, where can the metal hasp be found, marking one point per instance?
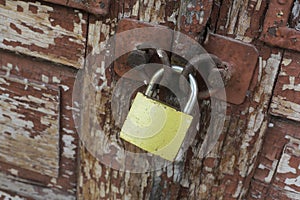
(125, 63)
(242, 58)
(276, 31)
(97, 7)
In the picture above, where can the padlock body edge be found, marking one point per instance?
(155, 127)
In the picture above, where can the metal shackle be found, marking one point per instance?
(193, 84)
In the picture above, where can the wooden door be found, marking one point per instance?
(45, 44)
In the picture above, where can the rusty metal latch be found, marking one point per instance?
(242, 59)
(235, 62)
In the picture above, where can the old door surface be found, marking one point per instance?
(46, 44)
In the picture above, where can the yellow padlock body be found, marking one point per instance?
(155, 127)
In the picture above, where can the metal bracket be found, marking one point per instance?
(122, 65)
(242, 58)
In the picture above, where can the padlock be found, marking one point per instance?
(156, 127)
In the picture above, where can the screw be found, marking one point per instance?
(102, 5)
(219, 77)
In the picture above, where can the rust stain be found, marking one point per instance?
(14, 27)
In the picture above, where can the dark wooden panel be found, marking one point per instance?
(29, 117)
(52, 32)
(39, 156)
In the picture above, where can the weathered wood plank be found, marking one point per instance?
(98, 181)
(29, 117)
(52, 32)
(286, 99)
(36, 121)
(32, 191)
(241, 19)
(226, 172)
(5, 195)
(277, 172)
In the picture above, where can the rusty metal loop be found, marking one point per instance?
(208, 64)
(143, 54)
(197, 63)
(163, 56)
(211, 73)
(152, 50)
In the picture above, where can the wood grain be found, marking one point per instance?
(38, 151)
(42, 30)
(29, 117)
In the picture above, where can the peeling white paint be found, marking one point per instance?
(135, 9)
(271, 172)
(286, 61)
(293, 181)
(258, 5)
(260, 68)
(291, 85)
(291, 193)
(169, 171)
(68, 131)
(53, 180)
(203, 188)
(282, 107)
(78, 28)
(284, 166)
(35, 29)
(65, 88)
(238, 190)
(7, 196)
(55, 79)
(45, 78)
(94, 36)
(20, 129)
(270, 69)
(173, 17)
(69, 147)
(14, 172)
(21, 187)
